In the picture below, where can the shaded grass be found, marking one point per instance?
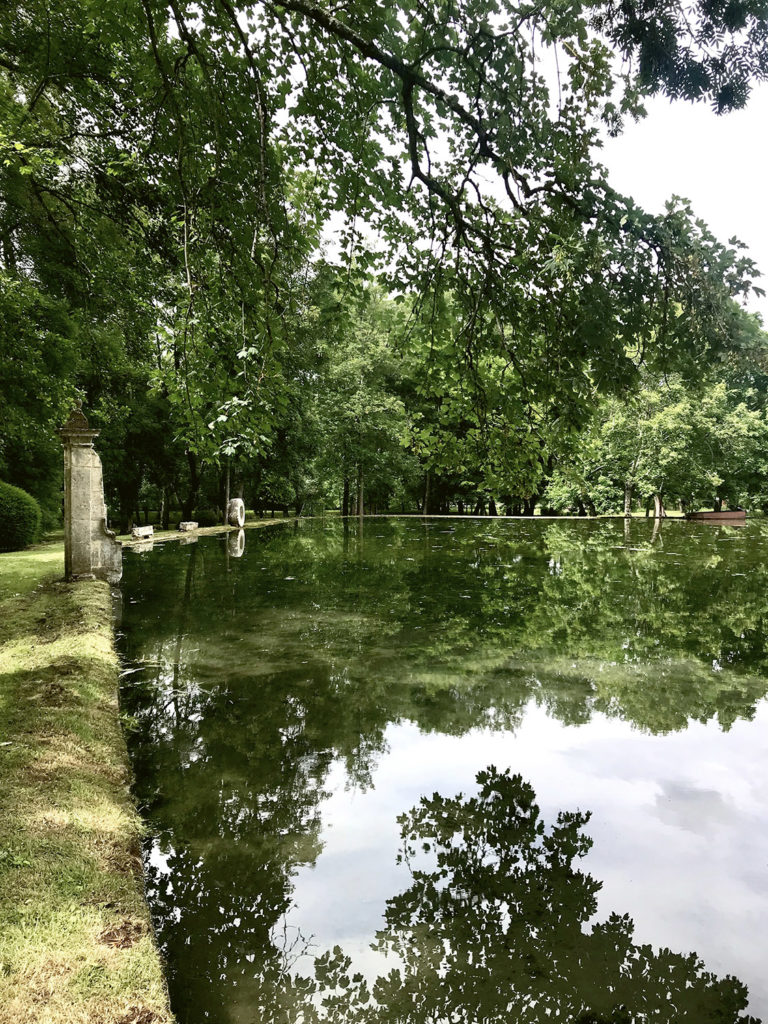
(22, 571)
(75, 938)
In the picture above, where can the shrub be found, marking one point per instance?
(208, 517)
(20, 518)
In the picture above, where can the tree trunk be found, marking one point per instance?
(529, 505)
(426, 493)
(718, 504)
(165, 511)
(461, 508)
(628, 490)
(190, 501)
(658, 506)
(226, 494)
(492, 508)
(345, 498)
(359, 490)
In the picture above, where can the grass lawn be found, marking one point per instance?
(75, 940)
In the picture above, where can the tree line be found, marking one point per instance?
(357, 423)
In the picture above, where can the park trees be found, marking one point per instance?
(167, 170)
(364, 418)
(670, 442)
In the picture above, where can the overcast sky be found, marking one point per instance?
(719, 163)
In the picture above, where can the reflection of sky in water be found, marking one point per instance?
(679, 822)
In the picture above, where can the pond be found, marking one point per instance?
(455, 770)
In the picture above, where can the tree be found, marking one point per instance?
(364, 419)
(670, 440)
(166, 171)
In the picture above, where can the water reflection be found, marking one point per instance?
(460, 626)
(496, 926)
(236, 544)
(257, 675)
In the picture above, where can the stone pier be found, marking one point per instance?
(90, 548)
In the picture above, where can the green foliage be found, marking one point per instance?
(166, 176)
(207, 517)
(20, 518)
(694, 444)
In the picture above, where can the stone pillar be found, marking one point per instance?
(90, 549)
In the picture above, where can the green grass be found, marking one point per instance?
(75, 939)
(22, 571)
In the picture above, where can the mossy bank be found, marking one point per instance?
(75, 938)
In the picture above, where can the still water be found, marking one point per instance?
(463, 771)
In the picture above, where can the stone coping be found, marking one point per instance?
(203, 531)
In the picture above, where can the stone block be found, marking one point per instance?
(236, 512)
(142, 532)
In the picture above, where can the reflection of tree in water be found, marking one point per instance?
(232, 831)
(458, 630)
(494, 929)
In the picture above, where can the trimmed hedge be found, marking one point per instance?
(20, 518)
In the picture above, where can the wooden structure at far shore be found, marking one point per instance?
(728, 515)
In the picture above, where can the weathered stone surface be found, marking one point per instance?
(236, 544)
(90, 548)
(236, 512)
(187, 525)
(142, 532)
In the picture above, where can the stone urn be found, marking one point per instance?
(236, 512)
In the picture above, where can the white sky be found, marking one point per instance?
(719, 163)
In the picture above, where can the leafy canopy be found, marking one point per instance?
(166, 171)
